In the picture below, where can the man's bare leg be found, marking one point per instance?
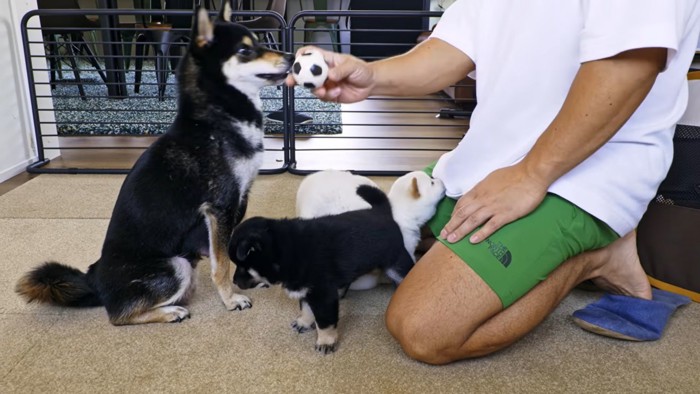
(443, 311)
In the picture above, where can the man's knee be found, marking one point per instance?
(417, 337)
(423, 338)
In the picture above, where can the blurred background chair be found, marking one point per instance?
(66, 32)
(326, 24)
(131, 26)
(265, 25)
(166, 34)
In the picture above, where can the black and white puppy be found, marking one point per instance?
(313, 258)
(185, 194)
(414, 198)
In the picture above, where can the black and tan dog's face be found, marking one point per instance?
(253, 251)
(231, 51)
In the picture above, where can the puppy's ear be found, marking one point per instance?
(226, 10)
(202, 28)
(415, 191)
(248, 246)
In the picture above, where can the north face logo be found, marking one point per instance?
(500, 252)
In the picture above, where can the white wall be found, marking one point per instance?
(17, 145)
(16, 141)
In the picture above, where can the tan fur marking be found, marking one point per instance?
(247, 41)
(221, 274)
(271, 57)
(57, 293)
(32, 291)
(164, 314)
(201, 41)
(415, 193)
(130, 314)
(221, 267)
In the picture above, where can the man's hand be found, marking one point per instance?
(503, 196)
(349, 79)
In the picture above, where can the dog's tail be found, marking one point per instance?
(57, 284)
(375, 197)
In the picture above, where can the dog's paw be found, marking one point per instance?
(327, 340)
(175, 314)
(326, 348)
(238, 302)
(301, 327)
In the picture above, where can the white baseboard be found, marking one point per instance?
(16, 169)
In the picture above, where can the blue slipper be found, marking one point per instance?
(630, 318)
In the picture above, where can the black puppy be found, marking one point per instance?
(185, 193)
(313, 258)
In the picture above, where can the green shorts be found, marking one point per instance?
(521, 254)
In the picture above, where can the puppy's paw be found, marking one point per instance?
(301, 328)
(238, 302)
(327, 340)
(326, 348)
(175, 314)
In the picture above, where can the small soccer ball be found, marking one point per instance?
(310, 70)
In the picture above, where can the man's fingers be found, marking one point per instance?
(341, 70)
(490, 227)
(459, 214)
(308, 48)
(474, 221)
(320, 92)
(290, 81)
(468, 225)
(329, 57)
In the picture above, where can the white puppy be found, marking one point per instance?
(414, 198)
(329, 193)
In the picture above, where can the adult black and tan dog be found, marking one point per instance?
(185, 194)
(313, 258)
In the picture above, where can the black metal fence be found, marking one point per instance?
(102, 89)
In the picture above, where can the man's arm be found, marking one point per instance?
(603, 96)
(427, 68)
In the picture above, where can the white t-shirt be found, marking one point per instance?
(527, 54)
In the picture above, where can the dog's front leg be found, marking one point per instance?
(220, 228)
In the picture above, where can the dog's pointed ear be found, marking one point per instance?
(226, 10)
(415, 191)
(202, 28)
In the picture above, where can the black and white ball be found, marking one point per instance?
(310, 70)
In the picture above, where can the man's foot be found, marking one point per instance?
(620, 271)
